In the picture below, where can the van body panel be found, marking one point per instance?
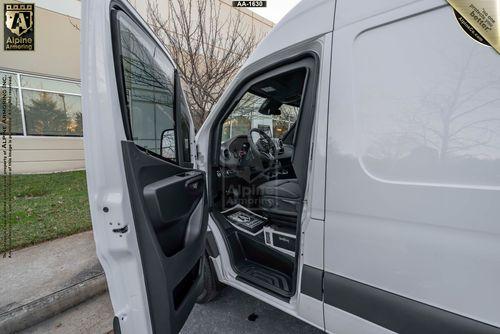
(309, 18)
(430, 234)
(315, 195)
(341, 322)
(349, 11)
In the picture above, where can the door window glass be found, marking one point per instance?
(148, 76)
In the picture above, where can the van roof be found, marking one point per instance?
(307, 19)
(350, 11)
(310, 18)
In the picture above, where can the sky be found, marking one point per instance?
(275, 9)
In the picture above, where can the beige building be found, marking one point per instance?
(46, 117)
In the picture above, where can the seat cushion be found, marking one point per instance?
(280, 200)
(288, 188)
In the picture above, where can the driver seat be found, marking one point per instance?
(280, 201)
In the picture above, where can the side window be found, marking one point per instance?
(149, 82)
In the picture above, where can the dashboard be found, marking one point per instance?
(236, 153)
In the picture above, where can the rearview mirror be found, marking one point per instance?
(270, 107)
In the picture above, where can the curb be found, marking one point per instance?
(46, 307)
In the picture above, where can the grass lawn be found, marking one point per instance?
(46, 206)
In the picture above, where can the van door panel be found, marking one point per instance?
(149, 212)
(409, 211)
(170, 233)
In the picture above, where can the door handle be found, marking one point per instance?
(195, 183)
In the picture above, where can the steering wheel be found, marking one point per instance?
(264, 146)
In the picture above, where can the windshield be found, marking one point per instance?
(246, 116)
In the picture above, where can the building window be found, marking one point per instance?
(17, 124)
(38, 83)
(45, 106)
(52, 114)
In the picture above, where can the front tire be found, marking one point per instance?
(211, 286)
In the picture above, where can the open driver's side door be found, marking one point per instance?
(147, 204)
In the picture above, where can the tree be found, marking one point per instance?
(43, 115)
(78, 122)
(207, 48)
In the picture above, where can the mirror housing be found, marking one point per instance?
(270, 107)
(167, 144)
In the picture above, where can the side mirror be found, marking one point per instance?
(167, 144)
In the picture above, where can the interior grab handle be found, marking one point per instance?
(194, 183)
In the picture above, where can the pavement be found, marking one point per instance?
(93, 316)
(42, 281)
(229, 313)
(58, 287)
(38, 271)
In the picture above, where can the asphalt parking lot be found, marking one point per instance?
(229, 313)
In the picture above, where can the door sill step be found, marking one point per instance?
(268, 279)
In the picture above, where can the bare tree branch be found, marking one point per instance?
(207, 45)
(75, 25)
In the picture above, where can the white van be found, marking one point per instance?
(349, 176)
